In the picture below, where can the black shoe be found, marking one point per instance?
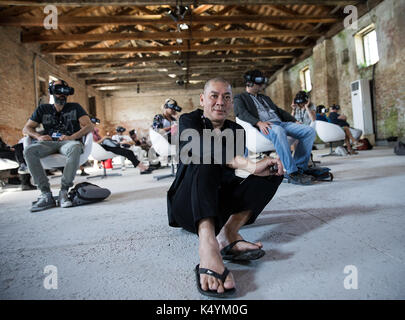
(147, 171)
(300, 178)
(84, 173)
(45, 201)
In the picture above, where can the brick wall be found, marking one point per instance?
(331, 75)
(17, 83)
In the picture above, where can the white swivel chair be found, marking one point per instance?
(255, 141)
(100, 154)
(58, 160)
(5, 166)
(164, 149)
(328, 133)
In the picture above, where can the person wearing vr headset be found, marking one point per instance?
(208, 199)
(166, 123)
(275, 124)
(65, 124)
(302, 108)
(116, 145)
(341, 120)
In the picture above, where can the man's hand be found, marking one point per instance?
(263, 167)
(44, 138)
(264, 126)
(65, 138)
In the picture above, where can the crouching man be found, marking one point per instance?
(208, 199)
(64, 125)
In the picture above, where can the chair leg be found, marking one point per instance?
(171, 175)
(104, 175)
(331, 152)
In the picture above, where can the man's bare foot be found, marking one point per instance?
(225, 238)
(210, 258)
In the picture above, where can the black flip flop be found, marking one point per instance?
(213, 293)
(246, 255)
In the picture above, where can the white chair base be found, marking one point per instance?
(104, 175)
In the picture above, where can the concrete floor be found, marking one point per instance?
(122, 248)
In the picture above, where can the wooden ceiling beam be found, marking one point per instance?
(161, 19)
(194, 57)
(180, 48)
(78, 3)
(92, 37)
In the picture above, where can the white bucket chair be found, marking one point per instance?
(255, 141)
(58, 160)
(100, 154)
(5, 166)
(329, 133)
(164, 149)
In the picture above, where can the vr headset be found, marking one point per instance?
(132, 132)
(335, 107)
(255, 76)
(95, 120)
(60, 89)
(120, 129)
(301, 97)
(172, 104)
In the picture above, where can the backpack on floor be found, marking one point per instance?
(320, 173)
(365, 145)
(86, 193)
(399, 148)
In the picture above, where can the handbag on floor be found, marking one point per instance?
(86, 193)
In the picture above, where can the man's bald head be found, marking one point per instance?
(218, 79)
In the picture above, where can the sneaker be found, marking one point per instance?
(64, 201)
(45, 201)
(23, 169)
(300, 178)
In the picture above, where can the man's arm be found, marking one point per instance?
(260, 168)
(86, 127)
(29, 129)
(241, 111)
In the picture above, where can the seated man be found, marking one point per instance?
(118, 150)
(340, 120)
(64, 125)
(275, 124)
(302, 108)
(207, 198)
(165, 123)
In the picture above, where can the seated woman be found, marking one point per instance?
(340, 120)
(166, 122)
(119, 151)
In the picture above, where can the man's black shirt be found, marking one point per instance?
(65, 122)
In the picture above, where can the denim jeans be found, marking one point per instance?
(40, 149)
(306, 136)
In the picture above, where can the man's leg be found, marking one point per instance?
(125, 153)
(210, 258)
(306, 136)
(32, 154)
(72, 151)
(246, 199)
(278, 136)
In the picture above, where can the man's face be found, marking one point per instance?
(59, 97)
(256, 88)
(217, 101)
